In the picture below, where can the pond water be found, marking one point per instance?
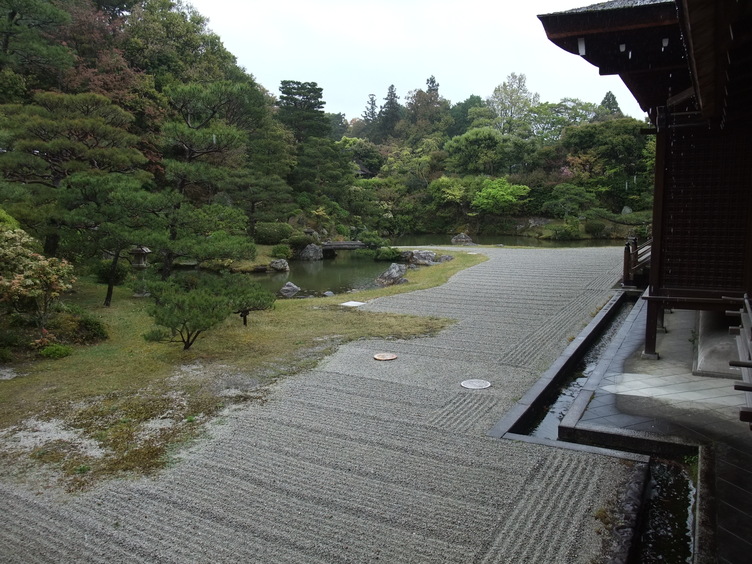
(349, 271)
(346, 272)
(507, 240)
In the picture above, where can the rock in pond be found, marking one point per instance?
(279, 265)
(311, 252)
(289, 290)
(462, 239)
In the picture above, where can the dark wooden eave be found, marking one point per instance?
(718, 35)
(692, 57)
(638, 40)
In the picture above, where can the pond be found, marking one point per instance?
(507, 240)
(346, 272)
(350, 271)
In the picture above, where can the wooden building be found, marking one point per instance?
(688, 63)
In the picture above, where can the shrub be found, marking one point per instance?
(365, 253)
(570, 230)
(56, 350)
(90, 330)
(642, 232)
(372, 240)
(9, 338)
(387, 254)
(7, 222)
(157, 335)
(6, 356)
(75, 325)
(568, 199)
(102, 272)
(300, 241)
(19, 320)
(282, 251)
(595, 228)
(271, 233)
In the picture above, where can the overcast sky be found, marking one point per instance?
(353, 48)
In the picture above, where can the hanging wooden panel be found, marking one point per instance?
(706, 212)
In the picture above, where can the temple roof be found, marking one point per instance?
(615, 5)
(692, 56)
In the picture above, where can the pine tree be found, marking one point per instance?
(389, 114)
(371, 113)
(51, 140)
(301, 108)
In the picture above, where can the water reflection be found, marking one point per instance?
(346, 272)
(506, 240)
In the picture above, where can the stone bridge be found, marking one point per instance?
(343, 245)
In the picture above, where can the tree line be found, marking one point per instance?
(128, 123)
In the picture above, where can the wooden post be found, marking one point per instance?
(626, 276)
(635, 257)
(656, 267)
(651, 330)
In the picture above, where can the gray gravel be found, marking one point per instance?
(365, 461)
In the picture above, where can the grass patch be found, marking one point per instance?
(135, 400)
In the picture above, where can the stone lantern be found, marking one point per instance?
(140, 264)
(140, 256)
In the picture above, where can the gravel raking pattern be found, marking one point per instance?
(465, 412)
(365, 461)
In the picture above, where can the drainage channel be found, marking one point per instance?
(545, 424)
(664, 530)
(668, 514)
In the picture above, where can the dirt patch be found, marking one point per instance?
(7, 373)
(34, 434)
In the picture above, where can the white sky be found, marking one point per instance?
(353, 48)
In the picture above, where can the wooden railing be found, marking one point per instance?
(744, 345)
(636, 260)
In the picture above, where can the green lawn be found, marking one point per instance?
(136, 400)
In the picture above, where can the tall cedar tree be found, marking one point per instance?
(301, 108)
(389, 115)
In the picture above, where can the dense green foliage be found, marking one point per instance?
(192, 304)
(128, 124)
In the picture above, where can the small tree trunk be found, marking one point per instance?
(111, 278)
(51, 244)
(168, 259)
(190, 340)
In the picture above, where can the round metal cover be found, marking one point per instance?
(476, 384)
(385, 356)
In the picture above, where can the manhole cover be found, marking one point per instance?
(476, 384)
(385, 356)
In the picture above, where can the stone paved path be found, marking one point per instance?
(366, 461)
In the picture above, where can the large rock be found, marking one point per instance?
(289, 290)
(395, 274)
(462, 239)
(279, 265)
(423, 258)
(311, 252)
